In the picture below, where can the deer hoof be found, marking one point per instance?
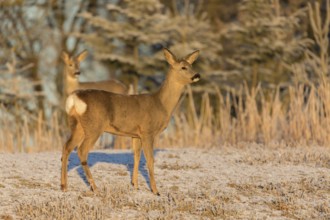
(63, 188)
(135, 186)
(94, 189)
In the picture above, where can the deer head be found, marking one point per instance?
(182, 69)
(72, 64)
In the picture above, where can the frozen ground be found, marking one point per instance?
(248, 182)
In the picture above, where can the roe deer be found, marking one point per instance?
(72, 72)
(142, 117)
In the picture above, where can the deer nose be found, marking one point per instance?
(77, 73)
(196, 77)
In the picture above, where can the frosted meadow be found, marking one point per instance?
(249, 181)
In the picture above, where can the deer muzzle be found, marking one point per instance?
(77, 73)
(196, 77)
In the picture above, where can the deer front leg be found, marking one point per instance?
(147, 145)
(136, 142)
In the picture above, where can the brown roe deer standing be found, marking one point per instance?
(142, 117)
(72, 72)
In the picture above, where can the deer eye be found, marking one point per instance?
(183, 68)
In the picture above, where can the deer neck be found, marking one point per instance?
(170, 92)
(71, 84)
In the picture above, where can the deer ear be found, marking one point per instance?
(170, 57)
(192, 57)
(80, 57)
(65, 57)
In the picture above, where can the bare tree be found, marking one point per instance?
(39, 31)
(21, 31)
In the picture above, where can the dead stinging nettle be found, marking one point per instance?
(142, 117)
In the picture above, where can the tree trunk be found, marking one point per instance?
(37, 87)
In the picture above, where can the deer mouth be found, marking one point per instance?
(196, 77)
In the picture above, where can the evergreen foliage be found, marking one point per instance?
(263, 43)
(132, 34)
(125, 36)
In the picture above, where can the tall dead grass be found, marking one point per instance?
(299, 118)
(30, 133)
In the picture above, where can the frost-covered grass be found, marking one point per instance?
(249, 181)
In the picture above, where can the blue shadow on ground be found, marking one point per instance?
(126, 159)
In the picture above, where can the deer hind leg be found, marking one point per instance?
(83, 150)
(136, 142)
(74, 141)
(147, 145)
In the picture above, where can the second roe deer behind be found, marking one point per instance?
(72, 73)
(72, 83)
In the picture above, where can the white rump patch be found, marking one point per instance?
(69, 104)
(73, 101)
(80, 105)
